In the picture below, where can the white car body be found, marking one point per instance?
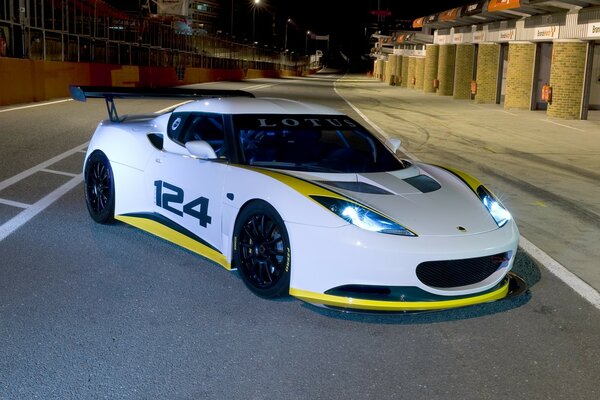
(332, 260)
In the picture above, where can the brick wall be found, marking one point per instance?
(566, 79)
(419, 72)
(398, 70)
(519, 76)
(412, 61)
(446, 69)
(463, 71)
(431, 67)
(488, 59)
(405, 71)
(390, 67)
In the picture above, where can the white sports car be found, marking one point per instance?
(302, 200)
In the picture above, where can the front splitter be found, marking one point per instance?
(513, 286)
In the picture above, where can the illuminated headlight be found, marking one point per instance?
(493, 205)
(362, 217)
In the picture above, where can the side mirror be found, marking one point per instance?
(394, 144)
(200, 149)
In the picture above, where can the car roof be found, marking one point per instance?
(262, 105)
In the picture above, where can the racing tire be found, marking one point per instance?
(262, 250)
(99, 186)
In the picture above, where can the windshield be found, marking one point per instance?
(321, 143)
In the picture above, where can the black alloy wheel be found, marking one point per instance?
(99, 188)
(262, 250)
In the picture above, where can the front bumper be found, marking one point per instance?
(512, 285)
(325, 259)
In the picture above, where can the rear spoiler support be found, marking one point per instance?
(109, 94)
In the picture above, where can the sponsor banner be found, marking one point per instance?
(506, 35)
(458, 38)
(418, 23)
(172, 7)
(324, 37)
(546, 33)
(478, 36)
(593, 29)
(499, 5)
(442, 39)
(472, 9)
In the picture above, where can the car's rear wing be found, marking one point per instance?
(109, 93)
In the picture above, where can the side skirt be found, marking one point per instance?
(168, 230)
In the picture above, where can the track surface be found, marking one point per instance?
(91, 311)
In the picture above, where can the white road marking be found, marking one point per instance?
(557, 269)
(258, 87)
(35, 105)
(24, 216)
(172, 107)
(561, 272)
(563, 125)
(13, 203)
(31, 211)
(373, 125)
(52, 171)
(6, 183)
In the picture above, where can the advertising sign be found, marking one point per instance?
(546, 33)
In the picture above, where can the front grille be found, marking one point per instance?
(454, 273)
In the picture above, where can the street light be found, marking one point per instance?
(306, 42)
(256, 3)
(289, 20)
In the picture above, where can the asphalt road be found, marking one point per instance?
(90, 311)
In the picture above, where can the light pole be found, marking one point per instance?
(306, 42)
(256, 3)
(289, 20)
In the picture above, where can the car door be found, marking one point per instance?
(188, 191)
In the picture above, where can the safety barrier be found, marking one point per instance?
(23, 81)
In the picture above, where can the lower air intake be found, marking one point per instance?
(455, 273)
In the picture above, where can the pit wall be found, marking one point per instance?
(25, 81)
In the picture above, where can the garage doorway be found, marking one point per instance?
(591, 105)
(502, 68)
(541, 75)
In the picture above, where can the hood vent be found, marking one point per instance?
(423, 183)
(359, 187)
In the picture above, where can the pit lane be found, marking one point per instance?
(90, 311)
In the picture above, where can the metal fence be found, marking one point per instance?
(93, 31)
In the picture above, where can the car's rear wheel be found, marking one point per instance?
(99, 188)
(262, 250)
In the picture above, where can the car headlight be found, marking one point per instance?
(493, 205)
(362, 216)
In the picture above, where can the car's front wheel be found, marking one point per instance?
(262, 250)
(99, 188)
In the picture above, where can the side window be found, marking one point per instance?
(198, 126)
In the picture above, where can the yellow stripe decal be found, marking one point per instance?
(362, 304)
(472, 182)
(173, 236)
(303, 187)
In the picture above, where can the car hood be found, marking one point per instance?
(427, 200)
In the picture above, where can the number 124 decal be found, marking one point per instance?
(197, 208)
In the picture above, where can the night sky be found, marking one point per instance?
(348, 22)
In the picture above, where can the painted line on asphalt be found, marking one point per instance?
(53, 171)
(13, 203)
(35, 105)
(172, 107)
(26, 215)
(31, 211)
(563, 125)
(373, 125)
(561, 272)
(258, 87)
(12, 180)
